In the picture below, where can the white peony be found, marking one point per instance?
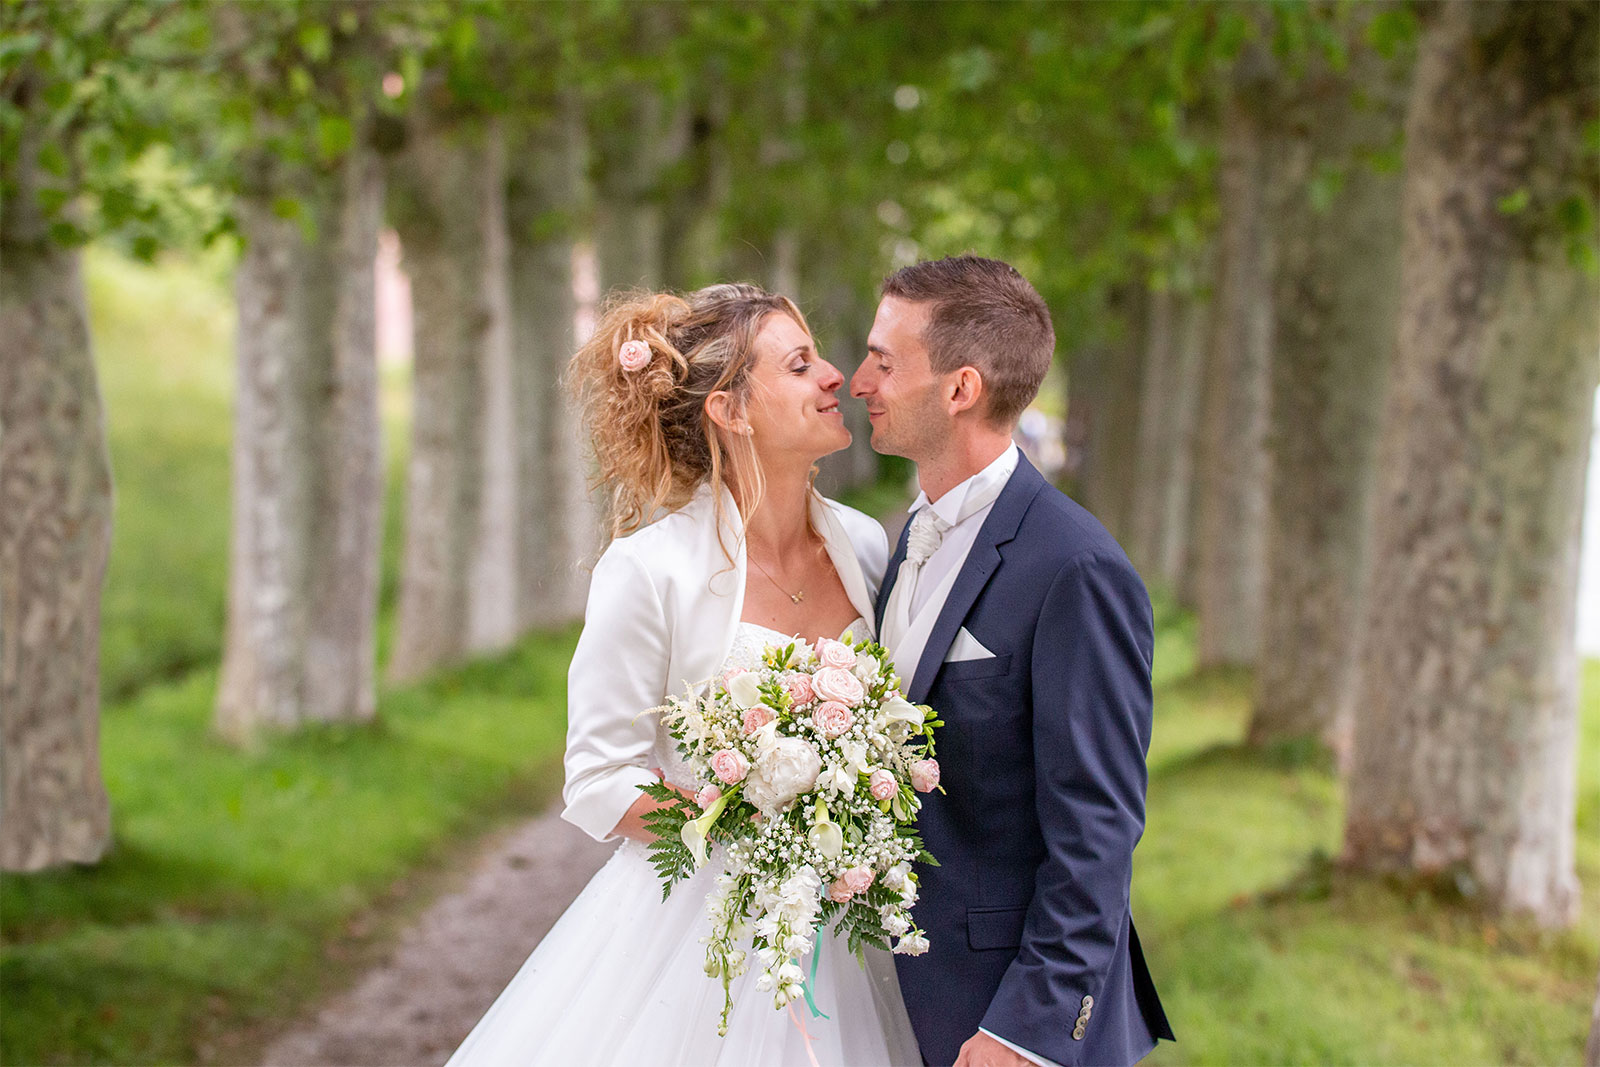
(781, 773)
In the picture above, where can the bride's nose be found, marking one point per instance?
(830, 379)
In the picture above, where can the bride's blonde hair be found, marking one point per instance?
(653, 441)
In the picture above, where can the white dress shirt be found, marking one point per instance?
(965, 508)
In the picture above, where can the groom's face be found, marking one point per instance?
(898, 384)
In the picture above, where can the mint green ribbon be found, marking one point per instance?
(816, 954)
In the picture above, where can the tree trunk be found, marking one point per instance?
(1173, 545)
(635, 150)
(1112, 385)
(1467, 725)
(1591, 1051)
(1335, 298)
(55, 535)
(457, 581)
(347, 464)
(1230, 547)
(557, 526)
(307, 461)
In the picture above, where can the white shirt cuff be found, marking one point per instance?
(1031, 1057)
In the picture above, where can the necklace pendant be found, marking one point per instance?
(797, 597)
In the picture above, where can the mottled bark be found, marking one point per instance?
(457, 580)
(55, 534)
(1467, 717)
(1336, 292)
(557, 526)
(636, 140)
(307, 460)
(1229, 550)
(1110, 384)
(1169, 402)
(347, 461)
(1173, 540)
(1591, 1051)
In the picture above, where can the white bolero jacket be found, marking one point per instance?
(664, 605)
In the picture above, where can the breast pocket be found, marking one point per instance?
(968, 669)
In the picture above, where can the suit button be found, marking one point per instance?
(1084, 1016)
(1088, 1002)
(1077, 1032)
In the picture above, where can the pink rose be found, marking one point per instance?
(832, 718)
(858, 878)
(882, 785)
(730, 766)
(924, 775)
(756, 718)
(707, 796)
(836, 683)
(634, 356)
(839, 892)
(799, 687)
(835, 654)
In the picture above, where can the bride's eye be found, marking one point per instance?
(800, 368)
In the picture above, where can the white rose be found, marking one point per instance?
(781, 773)
(867, 669)
(745, 689)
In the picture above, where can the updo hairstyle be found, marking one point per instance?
(653, 441)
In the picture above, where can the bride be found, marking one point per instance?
(707, 413)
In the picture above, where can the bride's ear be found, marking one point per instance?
(726, 413)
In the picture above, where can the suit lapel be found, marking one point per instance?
(891, 574)
(979, 566)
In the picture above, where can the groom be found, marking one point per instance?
(1012, 612)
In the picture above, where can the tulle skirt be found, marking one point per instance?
(620, 979)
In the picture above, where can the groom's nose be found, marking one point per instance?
(858, 381)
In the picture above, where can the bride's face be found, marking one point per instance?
(793, 413)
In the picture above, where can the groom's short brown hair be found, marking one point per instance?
(984, 315)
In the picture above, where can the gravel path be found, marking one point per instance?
(415, 1007)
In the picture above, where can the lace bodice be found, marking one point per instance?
(749, 640)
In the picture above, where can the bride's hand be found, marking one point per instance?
(631, 825)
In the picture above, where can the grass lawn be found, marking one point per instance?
(1266, 954)
(238, 879)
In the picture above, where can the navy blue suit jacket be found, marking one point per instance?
(1043, 761)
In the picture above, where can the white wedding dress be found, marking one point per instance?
(620, 979)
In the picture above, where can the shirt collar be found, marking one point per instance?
(974, 494)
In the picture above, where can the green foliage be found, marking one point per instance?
(672, 859)
(226, 901)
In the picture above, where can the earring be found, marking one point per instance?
(749, 431)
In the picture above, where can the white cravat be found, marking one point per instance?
(927, 531)
(908, 618)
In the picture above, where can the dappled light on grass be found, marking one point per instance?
(1266, 953)
(233, 871)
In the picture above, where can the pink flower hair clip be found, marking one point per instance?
(634, 355)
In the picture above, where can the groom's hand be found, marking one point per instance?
(981, 1050)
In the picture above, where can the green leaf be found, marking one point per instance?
(335, 134)
(316, 42)
(1514, 203)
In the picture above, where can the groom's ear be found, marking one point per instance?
(964, 390)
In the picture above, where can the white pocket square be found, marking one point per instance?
(966, 647)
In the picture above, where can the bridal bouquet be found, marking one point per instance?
(808, 769)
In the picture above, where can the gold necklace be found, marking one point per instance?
(796, 597)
